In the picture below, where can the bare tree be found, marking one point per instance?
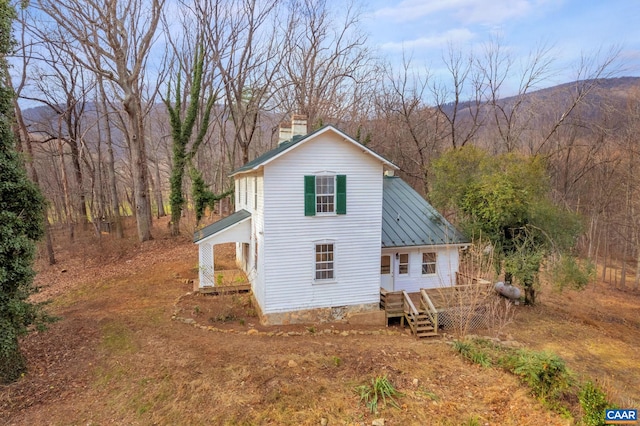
(24, 138)
(328, 62)
(499, 70)
(242, 36)
(63, 86)
(415, 129)
(114, 39)
(631, 148)
(25, 143)
(589, 73)
(460, 99)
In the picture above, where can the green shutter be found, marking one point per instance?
(309, 195)
(341, 194)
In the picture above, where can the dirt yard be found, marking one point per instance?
(121, 355)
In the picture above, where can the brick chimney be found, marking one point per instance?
(299, 125)
(284, 132)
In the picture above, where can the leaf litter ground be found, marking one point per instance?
(116, 356)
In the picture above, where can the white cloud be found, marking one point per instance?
(466, 11)
(494, 12)
(409, 10)
(455, 36)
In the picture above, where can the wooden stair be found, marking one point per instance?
(421, 326)
(423, 322)
(422, 310)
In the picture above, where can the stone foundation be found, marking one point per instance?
(365, 314)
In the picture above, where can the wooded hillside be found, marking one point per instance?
(101, 73)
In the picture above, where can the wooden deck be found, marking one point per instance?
(423, 311)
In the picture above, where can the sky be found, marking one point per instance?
(422, 30)
(571, 28)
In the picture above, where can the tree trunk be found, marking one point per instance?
(529, 294)
(159, 200)
(152, 186)
(623, 272)
(65, 188)
(637, 280)
(77, 170)
(245, 153)
(48, 240)
(606, 253)
(111, 167)
(139, 168)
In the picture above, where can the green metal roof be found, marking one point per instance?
(408, 220)
(268, 155)
(220, 225)
(284, 146)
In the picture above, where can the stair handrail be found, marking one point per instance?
(431, 310)
(409, 302)
(412, 315)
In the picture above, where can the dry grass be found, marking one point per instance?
(597, 331)
(117, 357)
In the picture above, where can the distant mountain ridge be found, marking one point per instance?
(615, 90)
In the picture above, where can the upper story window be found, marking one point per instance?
(255, 192)
(241, 188)
(325, 194)
(246, 191)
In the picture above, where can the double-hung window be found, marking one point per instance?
(255, 192)
(429, 263)
(246, 192)
(324, 261)
(403, 263)
(325, 194)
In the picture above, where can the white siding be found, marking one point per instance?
(289, 256)
(256, 275)
(446, 268)
(245, 186)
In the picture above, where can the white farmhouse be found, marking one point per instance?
(321, 225)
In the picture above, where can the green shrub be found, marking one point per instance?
(472, 353)
(594, 402)
(545, 373)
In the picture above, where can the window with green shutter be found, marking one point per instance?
(325, 194)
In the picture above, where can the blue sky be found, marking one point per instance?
(571, 27)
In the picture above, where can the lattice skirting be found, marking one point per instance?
(464, 317)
